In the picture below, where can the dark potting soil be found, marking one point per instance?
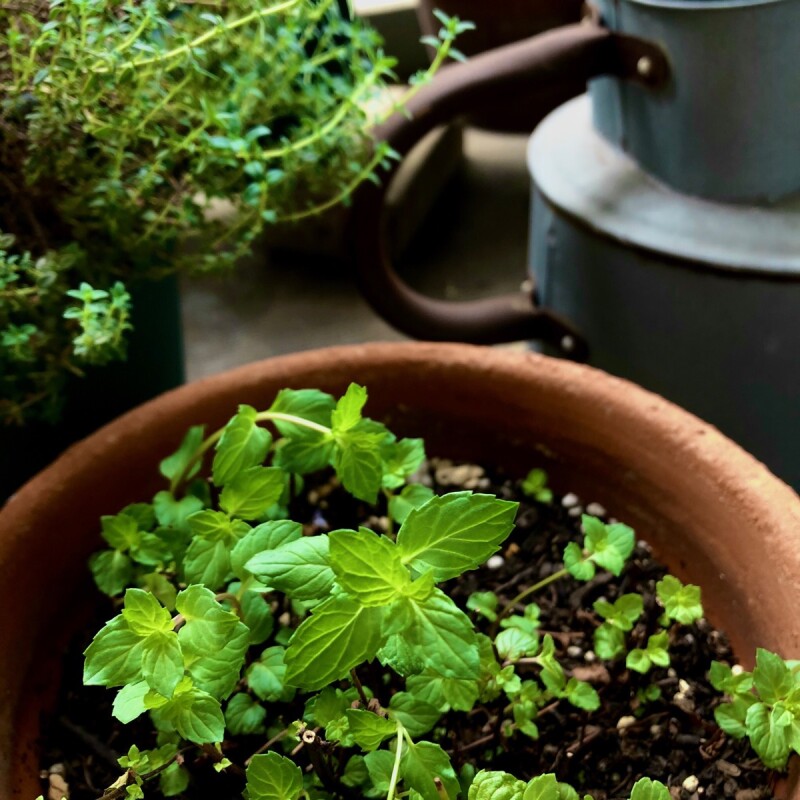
(673, 739)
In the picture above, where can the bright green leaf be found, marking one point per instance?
(368, 566)
(339, 635)
(251, 492)
(455, 532)
(243, 444)
(681, 603)
(178, 463)
(244, 716)
(368, 729)
(300, 568)
(272, 777)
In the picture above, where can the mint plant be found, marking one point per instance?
(763, 705)
(341, 650)
(124, 128)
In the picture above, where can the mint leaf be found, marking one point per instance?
(129, 702)
(379, 765)
(722, 679)
(207, 562)
(339, 635)
(681, 603)
(414, 714)
(368, 729)
(646, 789)
(121, 531)
(244, 716)
(623, 614)
(610, 545)
(251, 492)
(421, 764)
(267, 676)
(772, 677)
(547, 787)
(112, 571)
(484, 603)
(243, 444)
(193, 713)
(443, 635)
(401, 459)
(443, 693)
(176, 464)
(114, 656)
(514, 643)
(609, 642)
(398, 654)
(492, 785)
(412, 496)
(535, 486)
(368, 566)
(217, 670)
(455, 532)
(174, 513)
(347, 413)
(357, 461)
(310, 404)
(731, 717)
(300, 568)
(308, 452)
(273, 777)
(256, 614)
(582, 569)
(267, 536)
(770, 732)
(582, 695)
(162, 662)
(144, 614)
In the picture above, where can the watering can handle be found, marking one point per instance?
(480, 84)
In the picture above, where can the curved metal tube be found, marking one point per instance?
(486, 81)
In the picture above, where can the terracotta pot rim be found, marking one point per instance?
(734, 467)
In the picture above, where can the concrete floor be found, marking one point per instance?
(473, 243)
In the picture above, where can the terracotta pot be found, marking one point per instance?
(503, 22)
(711, 512)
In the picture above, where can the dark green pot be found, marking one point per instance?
(154, 364)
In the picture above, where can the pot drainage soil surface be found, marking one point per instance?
(672, 738)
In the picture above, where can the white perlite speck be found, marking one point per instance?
(690, 783)
(495, 562)
(596, 510)
(625, 722)
(569, 500)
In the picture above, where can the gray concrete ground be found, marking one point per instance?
(473, 243)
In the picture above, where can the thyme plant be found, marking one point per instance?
(342, 646)
(122, 124)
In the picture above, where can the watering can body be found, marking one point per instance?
(665, 234)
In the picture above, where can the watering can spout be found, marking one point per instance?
(581, 51)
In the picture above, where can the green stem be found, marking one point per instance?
(396, 768)
(334, 201)
(529, 591)
(208, 443)
(203, 38)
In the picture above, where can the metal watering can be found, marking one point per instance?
(665, 233)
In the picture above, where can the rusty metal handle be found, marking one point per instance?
(581, 51)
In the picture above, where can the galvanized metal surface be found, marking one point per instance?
(697, 301)
(580, 172)
(728, 125)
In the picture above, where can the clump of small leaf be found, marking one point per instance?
(145, 138)
(763, 705)
(535, 486)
